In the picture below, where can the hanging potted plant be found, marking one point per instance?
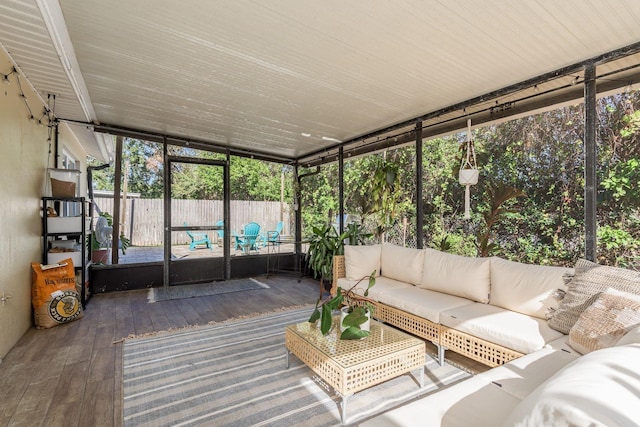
(468, 173)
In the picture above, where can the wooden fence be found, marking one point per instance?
(143, 222)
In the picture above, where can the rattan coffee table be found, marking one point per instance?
(350, 366)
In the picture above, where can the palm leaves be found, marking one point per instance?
(498, 195)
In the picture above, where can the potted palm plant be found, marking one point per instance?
(325, 243)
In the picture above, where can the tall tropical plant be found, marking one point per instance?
(385, 194)
(498, 195)
(325, 243)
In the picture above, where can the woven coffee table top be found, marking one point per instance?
(382, 341)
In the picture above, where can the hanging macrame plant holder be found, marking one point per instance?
(469, 172)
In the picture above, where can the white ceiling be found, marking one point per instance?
(290, 77)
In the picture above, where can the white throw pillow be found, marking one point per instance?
(605, 321)
(456, 275)
(402, 264)
(360, 261)
(598, 389)
(526, 288)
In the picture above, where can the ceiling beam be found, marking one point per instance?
(211, 146)
(57, 27)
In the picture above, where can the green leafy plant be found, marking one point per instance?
(92, 242)
(124, 243)
(498, 194)
(357, 311)
(386, 194)
(354, 234)
(325, 243)
(443, 245)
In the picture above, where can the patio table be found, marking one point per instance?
(350, 366)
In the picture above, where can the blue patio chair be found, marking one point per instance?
(236, 239)
(198, 239)
(273, 235)
(247, 242)
(220, 232)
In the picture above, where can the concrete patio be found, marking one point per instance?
(145, 254)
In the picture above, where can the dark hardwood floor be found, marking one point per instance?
(70, 375)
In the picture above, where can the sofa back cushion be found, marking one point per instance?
(456, 275)
(526, 288)
(360, 261)
(402, 264)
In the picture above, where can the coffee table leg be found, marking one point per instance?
(343, 415)
(422, 377)
(286, 366)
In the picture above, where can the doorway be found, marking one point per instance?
(196, 232)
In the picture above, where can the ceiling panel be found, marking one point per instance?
(290, 77)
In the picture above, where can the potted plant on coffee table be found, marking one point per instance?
(355, 315)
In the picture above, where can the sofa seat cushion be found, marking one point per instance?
(400, 263)
(588, 282)
(383, 285)
(526, 288)
(562, 344)
(598, 389)
(422, 302)
(472, 402)
(519, 332)
(360, 261)
(456, 275)
(521, 376)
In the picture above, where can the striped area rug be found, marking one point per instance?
(233, 374)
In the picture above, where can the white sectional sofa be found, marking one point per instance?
(564, 342)
(550, 387)
(489, 309)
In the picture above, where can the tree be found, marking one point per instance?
(145, 174)
(541, 156)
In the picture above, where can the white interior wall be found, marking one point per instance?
(69, 141)
(23, 165)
